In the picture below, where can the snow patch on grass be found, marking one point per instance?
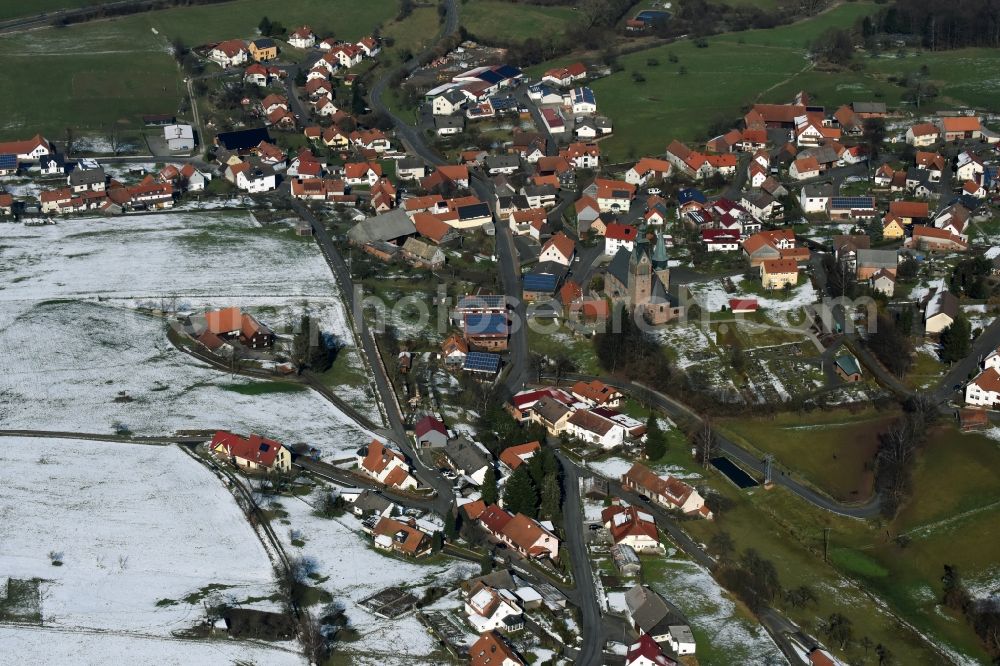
(134, 524)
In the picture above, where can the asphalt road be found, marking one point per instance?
(959, 373)
(590, 650)
(338, 266)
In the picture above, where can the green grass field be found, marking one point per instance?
(508, 21)
(114, 71)
(681, 99)
(831, 450)
(950, 520)
(789, 533)
(11, 9)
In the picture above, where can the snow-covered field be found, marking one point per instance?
(134, 524)
(714, 618)
(62, 366)
(712, 296)
(47, 645)
(339, 549)
(67, 299)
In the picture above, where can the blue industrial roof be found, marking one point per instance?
(489, 76)
(243, 139)
(508, 71)
(482, 362)
(486, 324)
(543, 282)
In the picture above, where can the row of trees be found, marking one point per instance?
(123, 9)
(982, 614)
(534, 488)
(312, 348)
(897, 453)
(940, 25)
(891, 344)
(632, 352)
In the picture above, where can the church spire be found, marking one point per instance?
(660, 259)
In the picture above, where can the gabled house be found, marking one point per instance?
(454, 350)
(647, 170)
(647, 652)
(385, 465)
(401, 537)
(488, 609)
(565, 76)
(589, 427)
(596, 393)
(804, 168)
(868, 262)
(668, 492)
(941, 308)
(515, 456)
(302, 38)
(984, 389)
(937, 240)
(468, 459)
(631, 527)
(362, 173)
(430, 432)
(528, 222)
(815, 198)
(491, 650)
(449, 102)
(560, 249)
(550, 413)
(28, 150)
(229, 53)
(922, 135)
(254, 453)
(525, 535)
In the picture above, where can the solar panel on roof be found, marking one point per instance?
(852, 202)
(546, 283)
(486, 324)
(481, 301)
(8, 161)
(482, 361)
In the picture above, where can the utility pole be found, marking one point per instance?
(826, 545)
(768, 465)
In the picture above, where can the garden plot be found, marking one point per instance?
(723, 635)
(63, 366)
(777, 374)
(132, 525)
(337, 549)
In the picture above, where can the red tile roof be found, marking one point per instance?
(961, 124)
(491, 650)
(515, 456)
(225, 320)
(255, 448)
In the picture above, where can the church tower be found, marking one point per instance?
(640, 271)
(661, 262)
